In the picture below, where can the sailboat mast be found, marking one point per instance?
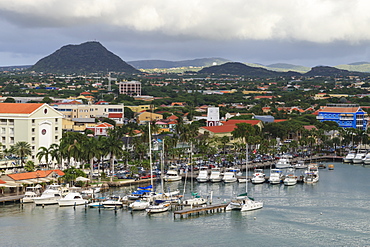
(162, 165)
(150, 156)
(246, 168)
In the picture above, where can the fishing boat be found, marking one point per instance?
(243, 202)
(311, 175)
(172, 174)
(349, 157)
(283, 162)
(258, 176)
(360, 155)
(300, 165)
(276, 176)
(51, 195)
(366, 159)
(73, 198)
(290, 178)
(215, 176)
(203, 175)
(31, 193)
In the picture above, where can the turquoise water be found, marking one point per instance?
(333, 212)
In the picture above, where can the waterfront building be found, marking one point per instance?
(38, 124)
(346, 115)
(131, 88)
(75, 111)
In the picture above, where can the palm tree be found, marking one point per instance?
(90, 150)
(113, 144)
(22, 149)
(30, 166)
(43, 153)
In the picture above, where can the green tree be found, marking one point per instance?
(22, 149)
(30, 166)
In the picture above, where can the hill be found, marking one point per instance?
(163, 64)
(331, 71)
(234, 68)
(89, 57)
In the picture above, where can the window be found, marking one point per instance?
(56, 120)
(3, 130)
(11, 140)
(33, 131)
(11, 131)
(56, 128)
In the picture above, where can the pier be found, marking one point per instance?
(11, 198)
(197, 210)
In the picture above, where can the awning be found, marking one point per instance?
(25, 181)
(44, 179)
(82, 179)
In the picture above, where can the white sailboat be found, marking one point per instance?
(243, 202)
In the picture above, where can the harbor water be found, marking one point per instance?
(333, 212)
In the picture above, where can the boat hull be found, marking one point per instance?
(46, 200)
(66, 203)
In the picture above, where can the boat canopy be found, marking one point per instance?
(146, 188)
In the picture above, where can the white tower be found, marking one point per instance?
(213, 116)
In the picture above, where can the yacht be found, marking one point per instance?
(203, 175)
(51, 195)
(276, 176)
(283, 162)
(229, 175)
(258, 177)
(113, 202)
(311, 175)
(73, 198)
(349, 157)
(215, 175)
(195, 200)
(366, 159)
(139, 205)
(158, 207)
(172, 174)
(300, 165)
(358, 159)
(290, 178)
(31, 193)
(244, 203)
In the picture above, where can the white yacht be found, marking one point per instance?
(258, 177)
(244, 203)
(172, 174)
(195, 200)
(31, 193)
(73, 198)
(215, 175)
(360, 155)
(230, 175)
(50, 196)
(311, 175)
(158, 207)
(290, 177)
(139, 205)
(276, 176)
(349, 157)
(300, 165)
(113, 202)
(366, 159)
(203, 175)
(283, 162)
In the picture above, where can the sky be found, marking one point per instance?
(301, 32)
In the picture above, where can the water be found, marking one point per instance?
(333, 212)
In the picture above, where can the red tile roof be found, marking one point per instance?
(173, 117)
(280, 120)
(221, 129)
(19, 108)
(236, 121)
(340, 109)
(32, 175)
(309, 127)
(2, 181)
(104, 125)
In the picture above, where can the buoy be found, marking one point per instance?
(320, 213)
(254, 218)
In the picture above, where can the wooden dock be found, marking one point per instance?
(14, 198)
(197, 210)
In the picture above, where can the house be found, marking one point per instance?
(144, 117)
(346, 115)
(35, 123)
(101, 129)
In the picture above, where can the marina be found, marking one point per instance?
(299, 215)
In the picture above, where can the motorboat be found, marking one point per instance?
(172, 174)
(172, 196)
(195, 200)
(73, 198)
(276, 176)
(31, 193)
(51, 195)
(159, 206)
(366, 159)
(203, 175)
(244, 203)
(215, 176)
(113, 202)
(311, 175)
(290, 177)
(258, 177)
(283, 162)
(360, 155)
(230, 175)
(90, 192)
(300, 165)
(349, 157)
(139, 205)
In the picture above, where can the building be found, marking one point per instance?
(101, 129)
(131, 88)
(213, 116)
(71, 111)
(38, 124)
(346, 115)
(145, 117)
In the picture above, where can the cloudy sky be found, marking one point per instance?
(304, 32)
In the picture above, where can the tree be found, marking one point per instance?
(30, 166)
(113, 144)
(43, 153)
(22, 149)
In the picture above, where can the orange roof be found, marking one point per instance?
(19, 108)
(85, 93)
(221, 129)
(2, 182)
(236, 121)
(172, 117)
(279, 120)
(341, 109)
(104, 125)
(32, 175)
(115, 115)
(309, 127)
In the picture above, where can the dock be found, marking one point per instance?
(14, 198)
(197, 210)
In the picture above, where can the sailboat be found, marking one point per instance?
(243, 202)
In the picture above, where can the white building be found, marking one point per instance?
(213, 116)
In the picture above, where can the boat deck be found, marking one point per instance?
(197, 210)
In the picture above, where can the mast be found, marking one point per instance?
(162, 165)
(246, 168)
(150, 156)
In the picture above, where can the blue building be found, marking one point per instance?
(346, 115)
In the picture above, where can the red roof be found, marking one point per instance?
(2, 182)
(340, 109)
(85, 93)
(173, 117)
(115, 115)
(32, 175)
(279, 120)
(221, 129)
(104, 125)
(19, 108)
(309, 127)
(236, 121)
